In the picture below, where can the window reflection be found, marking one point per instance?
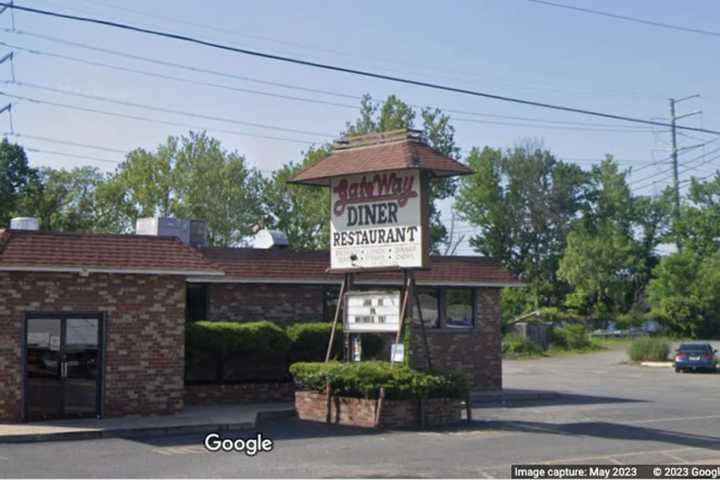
(459, 307)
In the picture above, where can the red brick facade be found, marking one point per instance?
(144, 323)
(476, 352)
(280, 303)
(361, 412)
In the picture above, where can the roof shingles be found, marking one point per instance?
(32, 249)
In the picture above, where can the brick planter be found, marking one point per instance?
(228, 394)
(360, 412)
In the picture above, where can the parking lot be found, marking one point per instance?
(607, 412)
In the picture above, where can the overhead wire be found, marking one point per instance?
(352, 71)
(304, 99)
(153, 120)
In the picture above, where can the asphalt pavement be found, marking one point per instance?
(607, 412)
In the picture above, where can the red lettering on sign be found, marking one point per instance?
(382, 187)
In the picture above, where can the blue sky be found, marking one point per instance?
(510, 47)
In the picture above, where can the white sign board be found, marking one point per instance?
(397, 352)
(372, 312)
(377, 221)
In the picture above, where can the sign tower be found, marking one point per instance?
(379, 222)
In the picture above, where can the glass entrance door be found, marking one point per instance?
(62, 367)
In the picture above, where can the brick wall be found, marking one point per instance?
(475, 352)
(360, 412)
(144, 332)
(225, 394)
(278, 303)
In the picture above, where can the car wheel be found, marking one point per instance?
(678, 370)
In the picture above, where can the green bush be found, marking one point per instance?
(309, 342)
(364, 380)
(261, 340)
(648, 349)
(517, 345)
(573, 336)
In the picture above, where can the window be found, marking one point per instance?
(330, 299)
(430, 305)
(197, 302)
(459, 307)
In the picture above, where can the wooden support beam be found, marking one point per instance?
(338, 311)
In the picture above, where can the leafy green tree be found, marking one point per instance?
(65, 200)
(393, 114)
(698, 225)
(685, 294)
(300, 211)
(523, 200)
(17, 179)
(187, 177)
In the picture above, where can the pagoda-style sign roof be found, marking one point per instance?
(376, 152)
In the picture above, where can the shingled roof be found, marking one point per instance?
(394, 150)
(282, 265)
(77, 252)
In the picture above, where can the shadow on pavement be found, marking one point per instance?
(605, 430)
(544, 398)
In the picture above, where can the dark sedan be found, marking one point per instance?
(695, 356)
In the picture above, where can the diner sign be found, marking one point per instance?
(377, 221)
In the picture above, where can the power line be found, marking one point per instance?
(181, 66)
(178, 79)
(352, 71)
(552, 127)
(66, 142)
(66, 154)
(700, 157)
(629, 19)
(152, 120)
(355, 107)
(126, 103)
(314, 48)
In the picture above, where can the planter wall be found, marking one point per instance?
(360, 412)
(227, 394)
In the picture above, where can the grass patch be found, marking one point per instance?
(649, 349)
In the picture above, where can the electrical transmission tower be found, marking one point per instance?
(676, 180)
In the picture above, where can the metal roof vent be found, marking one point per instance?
(25, 223)
(270, 239)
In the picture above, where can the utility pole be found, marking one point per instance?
(676, 180)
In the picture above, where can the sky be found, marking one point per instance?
(506, 47)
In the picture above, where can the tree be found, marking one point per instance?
(17, 179)
(65, 200)
(523, 200)
(685, 295)
(187, 177)
(393, 114)
(300, 211)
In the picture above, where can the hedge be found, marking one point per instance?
(364, 380)
(259, 339)
(309, 342)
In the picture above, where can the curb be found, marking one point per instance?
(657, 364)
(147, 431)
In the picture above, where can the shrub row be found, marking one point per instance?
(266, 340)
(364, 380)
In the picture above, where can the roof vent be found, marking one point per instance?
(25, 223)
(270, 239)
(164, 226)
